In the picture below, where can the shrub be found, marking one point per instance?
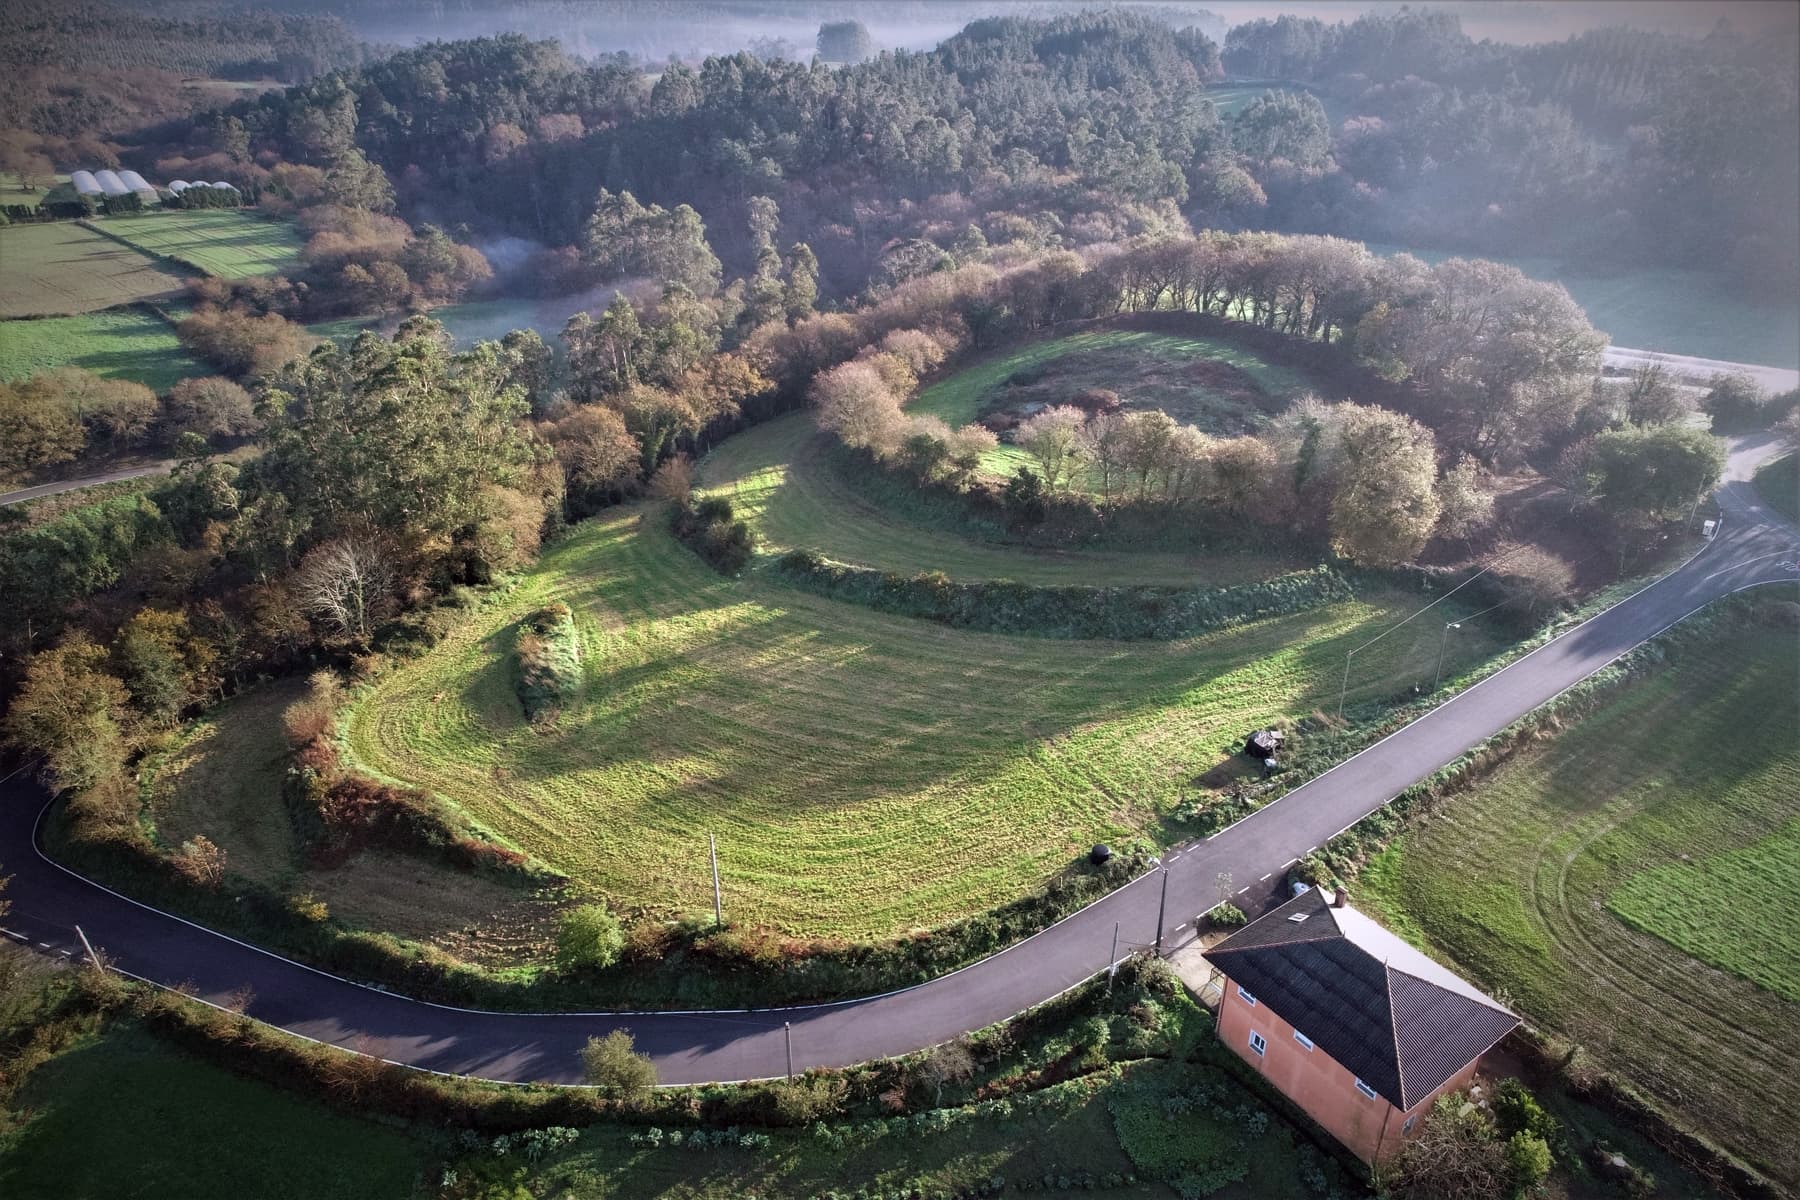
(314, 716)
(615, 1069)
(308, 907)
(709, 530)
(1516, 1110)
(1529, 1157)
(549, 654)
(1533, 582)
(200, 861)
(588, 938)
(1226, 915)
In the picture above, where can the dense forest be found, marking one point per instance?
(1619, 147)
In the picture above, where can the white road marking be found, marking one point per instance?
(1745, 563)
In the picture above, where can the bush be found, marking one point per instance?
(588, 938)
(549, 654)
(1516, 1110)
(1529, 1157)
(200, 861)
(615, 1069)
(1226, 915)
(709, 531)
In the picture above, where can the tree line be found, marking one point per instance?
(1084, 129)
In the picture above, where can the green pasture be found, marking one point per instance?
(222, 779)
(119, 343)
(126, 1115)
(61, 267)
(865, 774)
(1627, 886)
(787, 481)
(227, 243)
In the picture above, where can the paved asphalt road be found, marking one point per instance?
(69, 485)
(1753, 547)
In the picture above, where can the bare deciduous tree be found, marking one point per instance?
(347, 584)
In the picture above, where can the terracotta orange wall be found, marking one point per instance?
(1318, 1083)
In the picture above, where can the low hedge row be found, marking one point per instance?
(549, 655)
(1134, 613)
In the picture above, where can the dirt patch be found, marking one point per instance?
(1211, 394)
(478, 920)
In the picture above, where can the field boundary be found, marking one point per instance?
(171, 260)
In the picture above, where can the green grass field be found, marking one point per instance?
(865, 774)
(1674, 806)
(1779, 484)
(1134, 363)
(226, 243)
(63, 268)
(125, 1115)
(120, 343)
(784, 479)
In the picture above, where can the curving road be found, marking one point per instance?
(1753, 547)
(86, 481)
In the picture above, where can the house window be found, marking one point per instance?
(1410, 1122)
(1366, 1090)
(1246, 997)
(1303, 1039)
(1257, 1044)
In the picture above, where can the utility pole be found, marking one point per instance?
(1443, 644)
(1446, 640)
(718, 907)
(1161, 907)
(1112, 964)
(92, 957)
(1345, 685)
(787, 1030)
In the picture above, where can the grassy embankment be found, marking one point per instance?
(1628, 886)
(1779, 484)
(865, 774)
(1106, 1092)
(786, 481)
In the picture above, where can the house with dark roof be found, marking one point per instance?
(1352, 1024)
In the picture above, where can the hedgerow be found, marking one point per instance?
(1134, 613)
(549, 655)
